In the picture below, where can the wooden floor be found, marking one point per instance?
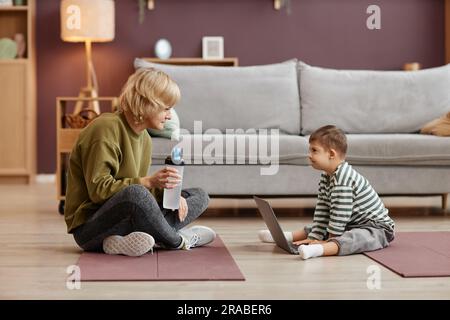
(35, 252)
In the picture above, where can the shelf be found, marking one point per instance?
(277, 4)
(226, 62)
(62, 99)
(13, 8)
(13, 61)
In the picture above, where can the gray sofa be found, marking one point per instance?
(381, 112)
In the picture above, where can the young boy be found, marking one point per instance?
(349, 216)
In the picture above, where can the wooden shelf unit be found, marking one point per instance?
(66, 137)
(18, 98)
(277, 4)
(226, 62)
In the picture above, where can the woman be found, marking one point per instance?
(111, 203)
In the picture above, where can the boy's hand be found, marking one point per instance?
(308, 241)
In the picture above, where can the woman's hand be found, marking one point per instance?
(166, 178)
(183, 210)
(308, 241)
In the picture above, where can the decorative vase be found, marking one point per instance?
(19, 38)
(8, 48)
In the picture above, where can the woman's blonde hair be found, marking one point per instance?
(147, 92)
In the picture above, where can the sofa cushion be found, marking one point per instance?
(398, 149)
(362, 101)
(263, 96)
(234, 149)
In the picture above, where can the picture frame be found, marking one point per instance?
(212, 48)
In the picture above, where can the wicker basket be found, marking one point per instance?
(81, 119)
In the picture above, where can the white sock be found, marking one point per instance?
(310, 251)
(265, 236)
(184, 245)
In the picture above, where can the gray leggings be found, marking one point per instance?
(361, 238)
(135, 209)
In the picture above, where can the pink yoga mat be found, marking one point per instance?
(416, 254)
(211, 262)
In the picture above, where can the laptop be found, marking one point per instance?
(271, 221)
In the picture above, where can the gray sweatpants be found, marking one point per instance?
(361, 238)
(135, 209)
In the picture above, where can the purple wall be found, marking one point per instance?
(326, 33)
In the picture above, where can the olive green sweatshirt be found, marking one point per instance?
(107, 157)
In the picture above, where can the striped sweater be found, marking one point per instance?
(346, 199)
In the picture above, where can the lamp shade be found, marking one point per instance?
(87, 20)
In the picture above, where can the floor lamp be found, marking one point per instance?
(87, 21)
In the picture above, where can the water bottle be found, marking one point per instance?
(171, 199)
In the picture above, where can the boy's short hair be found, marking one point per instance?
(331, 137)
(148, 91)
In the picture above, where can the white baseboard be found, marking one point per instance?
(46, 178)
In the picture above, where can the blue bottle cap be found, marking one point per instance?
(177, 155)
